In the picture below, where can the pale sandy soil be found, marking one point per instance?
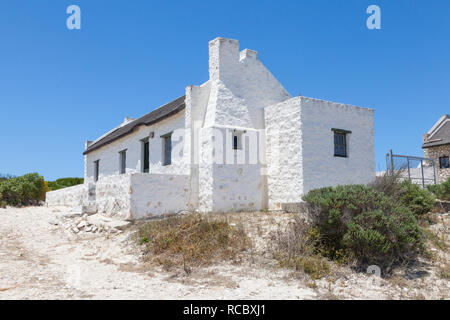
(40, 260)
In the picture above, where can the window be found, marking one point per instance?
(145, 156)
(96, 169)
(237, 137)
(167, 149)
(444, 162)
(340, 142)
(123, 161)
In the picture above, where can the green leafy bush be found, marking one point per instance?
(64, 183)
(441, 191)
(420, 201)
(362, 223)
(24, 190)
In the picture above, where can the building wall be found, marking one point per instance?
(284, 153)
(71, 196)
(113, 194)
(109, 154)
(241, 86)
(157, 194)
(435, 153)
(300, 147)
(320, 166)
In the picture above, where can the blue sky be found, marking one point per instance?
(60, 87)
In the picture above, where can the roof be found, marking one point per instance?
(153, 117)
(439, 134)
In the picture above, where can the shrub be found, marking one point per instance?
(420, 201)
(441, 191)
(24, 190)
(190, 239)
(364, 224)
(64, 183)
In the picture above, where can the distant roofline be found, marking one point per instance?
(151, 118)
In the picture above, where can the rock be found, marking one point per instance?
(65, 215)
(89, 209)
(53, 222)
(88, 229)
(119, 225)
(81, 225)
(75, 230)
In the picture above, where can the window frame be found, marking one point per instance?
(448, 162)
(341, 133)
(123, 161)
(96, 170)
(145, 154)
(237, 134)
(167, 152)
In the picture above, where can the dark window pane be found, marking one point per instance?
(146, 157)
(340, 146)
(444, 162)
(123, 162)
(167, 150)
(235, 142)
(96, 169)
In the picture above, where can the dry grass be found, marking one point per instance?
(191, 240)
(296, 248)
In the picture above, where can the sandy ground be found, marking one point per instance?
(40, 260)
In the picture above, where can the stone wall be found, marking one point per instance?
(320, 166)
(300, 147)
(157, 194)
(284, 153)
(71, 196)
(435, 153)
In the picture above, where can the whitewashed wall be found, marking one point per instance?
(113, 194)
(300, 147)
(241, 86)
(109, 154)
(71, 196)
(320, 166)
(284, 153)
(157, 194)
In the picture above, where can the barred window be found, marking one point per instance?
(444, 162)
(340, 142)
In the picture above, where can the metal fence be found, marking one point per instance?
(418, 170)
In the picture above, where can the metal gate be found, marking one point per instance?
(418, 170)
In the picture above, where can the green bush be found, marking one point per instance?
(420, 201)
(24, 190)
(441, 191)
(362, 223)
(64, 183)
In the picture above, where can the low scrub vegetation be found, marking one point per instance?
(64, 183)
(191, 240)
(441, 191)
(28, 189)
(364, 225)
(358, 225)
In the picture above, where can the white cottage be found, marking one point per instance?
(237, 142)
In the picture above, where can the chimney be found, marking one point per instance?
(223, 56)
(87, 144)
(127, 120)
